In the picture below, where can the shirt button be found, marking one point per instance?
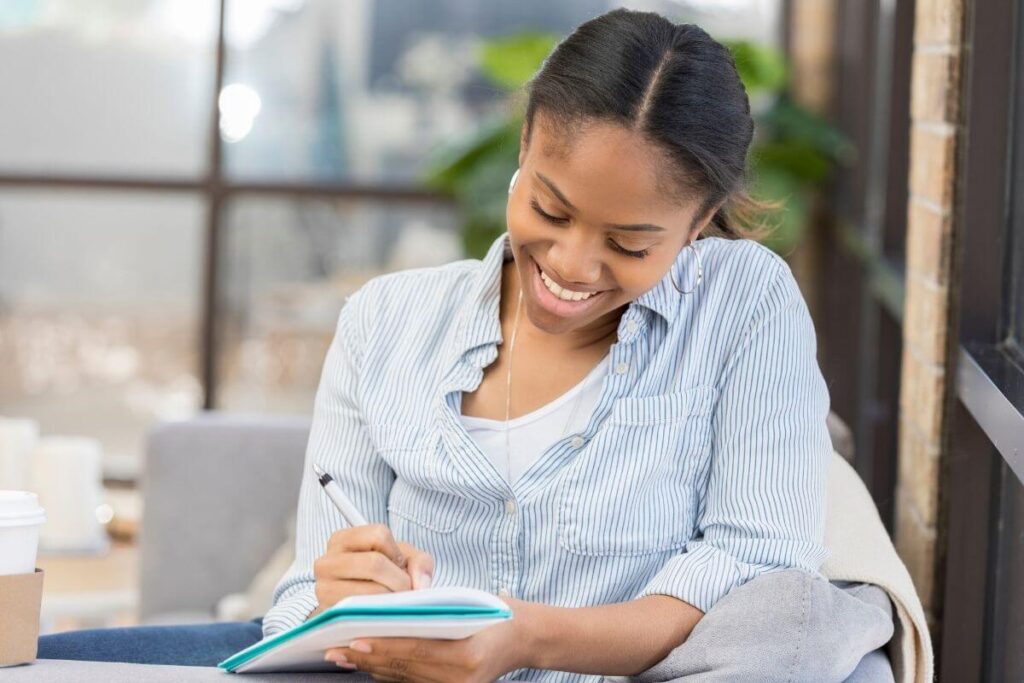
(510, 507)
(504, 592)
(631, 326)
(622, 368)
(577, 442)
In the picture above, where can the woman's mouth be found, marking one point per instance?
(557, 299)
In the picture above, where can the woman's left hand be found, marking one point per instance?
(484, 656)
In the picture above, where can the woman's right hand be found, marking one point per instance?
(366, 560)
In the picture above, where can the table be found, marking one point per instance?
(89, 591)
(63, 670)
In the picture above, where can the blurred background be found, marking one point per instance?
(190, 189)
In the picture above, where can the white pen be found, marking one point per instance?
(338, 497)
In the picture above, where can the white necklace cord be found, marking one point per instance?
(508, 389)
(508, 395)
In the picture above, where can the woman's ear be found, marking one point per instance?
(703, 222)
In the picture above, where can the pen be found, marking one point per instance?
(338, 497)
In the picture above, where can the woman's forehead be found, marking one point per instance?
(609, 168)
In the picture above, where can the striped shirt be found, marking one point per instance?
(702, 465)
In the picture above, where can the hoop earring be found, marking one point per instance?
(700, 272)
(512, 183)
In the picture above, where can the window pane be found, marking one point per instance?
(287, 267)
(364, 89)
(106, 86)
(324, 90)
(99, 301)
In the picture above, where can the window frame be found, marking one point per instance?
(982, 478)
(217, 188)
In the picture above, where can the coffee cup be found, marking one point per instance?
(20, 521)
(21, 584)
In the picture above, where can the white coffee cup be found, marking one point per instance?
(20, 520)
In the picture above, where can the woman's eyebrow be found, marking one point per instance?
(637, 227)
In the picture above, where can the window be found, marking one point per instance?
(983, 614)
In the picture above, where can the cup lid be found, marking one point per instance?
(20, 507)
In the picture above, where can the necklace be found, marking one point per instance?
(508, 394)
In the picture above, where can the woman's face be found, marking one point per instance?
(589, 228)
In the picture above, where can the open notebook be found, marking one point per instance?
(447, 613)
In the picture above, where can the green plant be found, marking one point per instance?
(793, 152)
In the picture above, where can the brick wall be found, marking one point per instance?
(927, 379)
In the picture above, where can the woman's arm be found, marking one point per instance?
(622, 639)
(339, 442)
(763, 505)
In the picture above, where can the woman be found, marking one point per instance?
(612, 421)
(650, 436)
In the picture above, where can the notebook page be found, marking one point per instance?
(441, 595)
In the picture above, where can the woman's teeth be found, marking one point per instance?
(562, 293)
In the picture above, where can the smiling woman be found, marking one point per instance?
(626, 341)
(659, 385)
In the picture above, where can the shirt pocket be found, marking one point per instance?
(633, 489)
(412, 507)
(411, 451)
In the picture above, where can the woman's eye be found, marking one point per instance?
(545, 215)
(622, 250)
(559, 221)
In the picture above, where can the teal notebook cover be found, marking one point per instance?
(344, 613)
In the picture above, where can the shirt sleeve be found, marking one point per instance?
(763, 508)
(338, 442)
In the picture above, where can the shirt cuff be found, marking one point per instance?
(704, 574)
(292, 608)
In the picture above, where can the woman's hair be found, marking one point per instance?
(673, 84)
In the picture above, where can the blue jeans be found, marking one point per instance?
(186, 645)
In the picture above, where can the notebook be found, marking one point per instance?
(445, 613)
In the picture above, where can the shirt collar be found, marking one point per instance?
(481, 321)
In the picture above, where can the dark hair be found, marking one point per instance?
(676, 86)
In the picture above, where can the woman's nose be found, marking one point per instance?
(576, 262)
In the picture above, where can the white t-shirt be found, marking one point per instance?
(532, 434)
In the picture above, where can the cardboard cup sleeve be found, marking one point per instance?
(21, 598)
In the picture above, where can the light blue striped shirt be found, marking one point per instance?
(703, 463)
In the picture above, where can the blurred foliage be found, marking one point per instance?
(793, 152)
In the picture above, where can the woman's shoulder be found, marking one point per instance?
(416, 296)
(742, 270)
(741, 253)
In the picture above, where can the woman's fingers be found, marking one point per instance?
(363, 566)
(375, 537)
(420, 566)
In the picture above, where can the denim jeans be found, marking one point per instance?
(184, 645)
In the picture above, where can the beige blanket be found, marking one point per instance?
(863, 552)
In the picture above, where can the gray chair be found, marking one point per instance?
(219, 491)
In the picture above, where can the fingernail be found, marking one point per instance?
(423, 580)
(360, 646)
(335, 657)
(347, 665)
